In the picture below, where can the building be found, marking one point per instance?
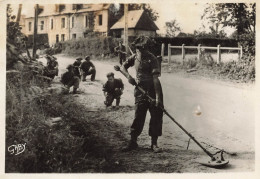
(68, 21)
(139, 23)
(60, 22)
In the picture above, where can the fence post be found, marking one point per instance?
(199, 52)
(218, 54)
(162, 50)
(241, 53)
(169, 53)
(183, 52)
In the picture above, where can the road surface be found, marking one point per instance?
(227, 111)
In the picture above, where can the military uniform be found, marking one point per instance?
(69, 79)
(121, 53)
(85, 68)
(114, 91)
(146, 66)
(76, 65)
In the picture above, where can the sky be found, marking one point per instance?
(187, 14)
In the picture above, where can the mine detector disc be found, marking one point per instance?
(217, 160)
(214, 164)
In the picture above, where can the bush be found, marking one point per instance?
(90, 46)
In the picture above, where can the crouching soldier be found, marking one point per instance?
(51, 70)
(76, 65)
(113, 89)
(69, 79)
(88, 68)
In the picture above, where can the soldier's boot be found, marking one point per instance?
(117, 102)
(75, 90)
(154, 145)
(132, 144)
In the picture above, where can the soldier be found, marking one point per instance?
(113, 89)
(51, 70)
(87, 68)
(69, 79)
(147, 73)
(76, 65)
(121, 50)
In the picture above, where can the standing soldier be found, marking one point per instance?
(69, 79)
(121, 50)
(113, 89)
(147, 73)
(76, 65)
(87, 68)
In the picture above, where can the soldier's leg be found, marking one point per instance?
(84, 75)
(93, 74)
(141, 108)
(118, 94)
(155, 126)
(109, 99)
(76, 82)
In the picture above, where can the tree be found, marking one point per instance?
(172, 28)
(238, 15)
(146, 7)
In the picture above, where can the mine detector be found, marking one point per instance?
(216, 160)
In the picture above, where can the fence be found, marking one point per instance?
(199, 48)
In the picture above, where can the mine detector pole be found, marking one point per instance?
(126, 28)
(35, 30)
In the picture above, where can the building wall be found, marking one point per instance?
(69, 32)
(58, 29)
(104, 26)
(137, 32)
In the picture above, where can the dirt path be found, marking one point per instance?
(227, 122)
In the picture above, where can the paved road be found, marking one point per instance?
(227, 118)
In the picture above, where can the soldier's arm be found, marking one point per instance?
(92, 65)
(128, 63)
(158, 89)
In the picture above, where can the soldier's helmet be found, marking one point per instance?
(87, 57)
(48, 57)
(69, 67)
(78, 58)
(143, 42)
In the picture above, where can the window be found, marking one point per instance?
(51, 23)
(74, 36)
(42, 25)
(86, 21)
(77, 6)
(100, 19)
(30, 26)
(62, 22)
(57, 38)
(72, 22)
(62, 37)
(61, 7)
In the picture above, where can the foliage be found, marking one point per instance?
(241, 16)
(172, 28)
(95, 45)
(146, 7)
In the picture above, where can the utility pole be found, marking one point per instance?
(35, 30)
(126, 28)
(19, 13)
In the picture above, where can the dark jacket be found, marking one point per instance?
(110, 87)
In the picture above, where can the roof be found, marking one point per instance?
(50, 9)
(137, 19)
